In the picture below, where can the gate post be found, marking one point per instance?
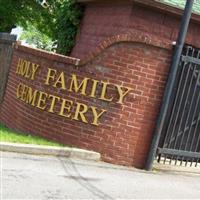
(6, 50)
(170, 83)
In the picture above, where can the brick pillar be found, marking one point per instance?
(6, 41)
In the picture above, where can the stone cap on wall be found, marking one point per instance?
(7, 38)
(153, 4)
(46, 54)
(132, 37)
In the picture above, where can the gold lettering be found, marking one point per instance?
(42, 100)
(18, 90)
(34, 70)
(24, 67)
(50, 75)
(82, 86)
(19, 64)
(61, 81)
(54, 98)
(103, 92)
(122, 93)
(94, 88)
(81, 109)
(96, 115)
(21, 67)
(27, 71)
(24, 92)
(31, 96)
(66, 106)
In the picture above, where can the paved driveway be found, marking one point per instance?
(44, 177)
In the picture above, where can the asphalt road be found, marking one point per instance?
(44, 177)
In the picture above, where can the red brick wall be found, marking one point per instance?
(125, 131)
(102, 20)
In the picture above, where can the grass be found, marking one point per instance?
(8, 135)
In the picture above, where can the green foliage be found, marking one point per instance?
(22, 12)
(59, 20)
(67, 15)
(32, 36)
(8, 135)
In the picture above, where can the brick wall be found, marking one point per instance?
(135, 60)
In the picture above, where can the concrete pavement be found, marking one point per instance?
(47, 177)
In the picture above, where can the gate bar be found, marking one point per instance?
(170, 83)
(181, 153)
(190, 59)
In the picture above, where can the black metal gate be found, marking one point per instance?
(180, 139)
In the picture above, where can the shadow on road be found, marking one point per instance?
(80, 179)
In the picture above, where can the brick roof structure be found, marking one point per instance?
(173, 3)
(181, 3)
(168, 6)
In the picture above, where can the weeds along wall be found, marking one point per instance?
(108, 102)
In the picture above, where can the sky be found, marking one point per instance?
(16, 31)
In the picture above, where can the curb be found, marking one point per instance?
(176, 169)
(49, 150)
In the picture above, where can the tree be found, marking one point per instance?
(34, 37)
(22, 12)
(67, 18)
(58, 19)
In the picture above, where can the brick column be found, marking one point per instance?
(6, 41)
